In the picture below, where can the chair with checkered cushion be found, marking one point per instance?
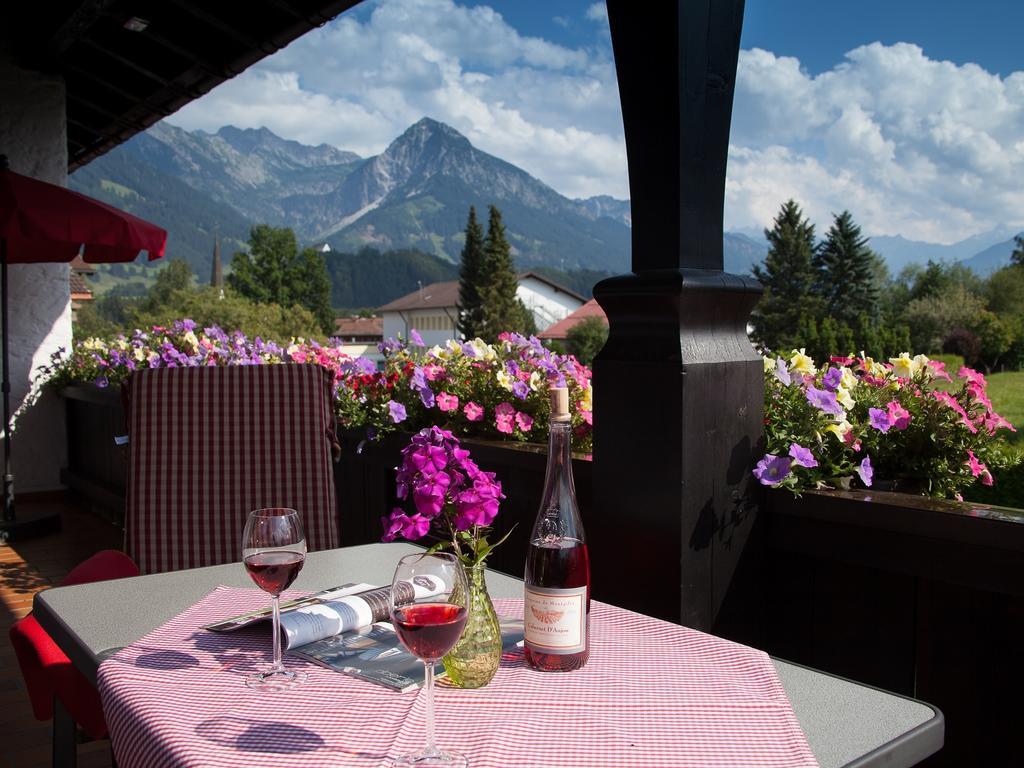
(208, 445)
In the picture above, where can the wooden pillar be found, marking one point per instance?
(678, 391)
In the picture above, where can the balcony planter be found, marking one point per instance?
(364, 477)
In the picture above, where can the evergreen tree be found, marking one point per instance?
(847, 272)
(274, 272)
(471, 278)
(1017, 257)
(502, 309)
(788, 278)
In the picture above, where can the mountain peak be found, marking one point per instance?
(426, 128)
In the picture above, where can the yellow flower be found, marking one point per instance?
(872, 368)
(140, 354)
(504, 380)
(94, 345)
(190, 339)
(801, 363)
(849, 379)
(438, 352)
(587, 401)
(769, 364)
(903, 366)
(843, 396)
(535, 381)
(840, 429)
(453, 347)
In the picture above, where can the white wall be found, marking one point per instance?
(33, 136)
(547, 305)
(436, 326)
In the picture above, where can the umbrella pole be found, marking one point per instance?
(8, 474)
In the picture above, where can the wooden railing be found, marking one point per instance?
(919, 596)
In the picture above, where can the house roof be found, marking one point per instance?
(446, 294)
(359, 326)
(128, 63)
(558, 287)
(433, 296)
(560, 330)
(80, 289)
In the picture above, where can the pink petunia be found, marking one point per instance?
(447, 402)
(504, 414)
(900, 416)
(976, 466)
(524, 421)
(473, 411)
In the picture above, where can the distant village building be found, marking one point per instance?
(359, 330)
(217, 270)
(560, 330)
(81, 293)
(433, 309)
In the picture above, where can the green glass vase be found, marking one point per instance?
(473, 660)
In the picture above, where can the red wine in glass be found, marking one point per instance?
(274, 572)
(430, 630)
(429, 626)
(273, 551)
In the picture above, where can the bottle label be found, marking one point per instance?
(555, 620)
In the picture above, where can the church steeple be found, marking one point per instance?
(217, 273)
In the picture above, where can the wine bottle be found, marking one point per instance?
(556, 605)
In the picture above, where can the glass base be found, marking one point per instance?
(275, 680)
(439, 759)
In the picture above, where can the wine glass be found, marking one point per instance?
(273, 550)
(428, 627)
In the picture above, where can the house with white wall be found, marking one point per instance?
(433, 310)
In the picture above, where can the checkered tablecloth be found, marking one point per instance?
(652, 694)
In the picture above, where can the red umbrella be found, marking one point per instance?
(41, 222)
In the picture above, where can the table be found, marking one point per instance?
(846, 724)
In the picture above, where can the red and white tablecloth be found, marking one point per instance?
(652, 694)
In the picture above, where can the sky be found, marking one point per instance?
(908, 113)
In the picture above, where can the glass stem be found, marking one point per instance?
(278, 667)
(430, 750)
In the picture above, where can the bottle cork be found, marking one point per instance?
(559, 403)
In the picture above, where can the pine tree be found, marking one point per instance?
(788, 278)
(847, 272)
(471, 277)
(1017, 257)
(502, 309)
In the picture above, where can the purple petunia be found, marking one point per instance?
(782, 372)
(415, 338)
(396, 411)
(832, 379)
(824, 401)
(520, 390)
(802, 457)
(866, 471)
(880, 420)
(772, 469)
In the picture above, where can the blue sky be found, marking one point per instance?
(908, 113)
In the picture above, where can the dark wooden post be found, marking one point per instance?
(678, 391)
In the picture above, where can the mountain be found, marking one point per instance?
(993, 258)
(900, 252)
(605, 205)
(417, 194)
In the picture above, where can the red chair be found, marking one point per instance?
(208, 445)
(50, 677)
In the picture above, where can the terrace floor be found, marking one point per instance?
(26, 568)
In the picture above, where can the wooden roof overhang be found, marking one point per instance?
(129, 63)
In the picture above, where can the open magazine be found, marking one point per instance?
(376, 654)
(346, 628)
(332, 611)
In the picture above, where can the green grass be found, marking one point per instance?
(1006, 391)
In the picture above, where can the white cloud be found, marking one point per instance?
(360, 81)
(598, 12)
(927, 149)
